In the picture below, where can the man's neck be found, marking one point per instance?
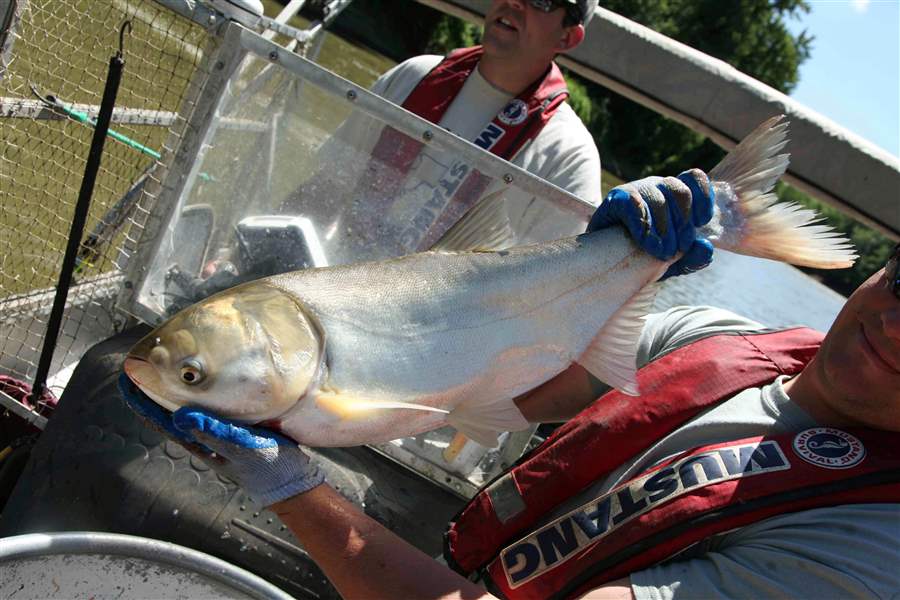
(510, 78)
(809, 391)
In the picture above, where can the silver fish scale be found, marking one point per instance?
(441, 328)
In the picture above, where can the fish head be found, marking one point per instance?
(248, 354)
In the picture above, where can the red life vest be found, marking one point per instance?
(504, 533)
(394, 153)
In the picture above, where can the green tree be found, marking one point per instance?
(397, 29)
(750, 35)
(451, 33)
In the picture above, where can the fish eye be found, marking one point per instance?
(191, 372)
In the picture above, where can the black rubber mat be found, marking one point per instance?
(97, 468)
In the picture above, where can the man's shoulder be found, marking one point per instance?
(682, 325)
(566, 118)
(422, 62)
(564, 134)
(564, 143)
(564, 153)
(406, 75)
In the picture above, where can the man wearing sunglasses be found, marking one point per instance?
(508, 97)
(756, 463)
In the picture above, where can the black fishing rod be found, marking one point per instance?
(82, 206)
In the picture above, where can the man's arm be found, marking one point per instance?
(562, 397)
(363, 559)
(662, 216)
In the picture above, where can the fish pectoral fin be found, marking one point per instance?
(349, 405)
(485, 227)
(611, 356)
(483, 422)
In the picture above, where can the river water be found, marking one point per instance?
(772, 293)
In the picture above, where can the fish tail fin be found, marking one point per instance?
(748, 219)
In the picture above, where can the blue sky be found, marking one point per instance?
(853, 76)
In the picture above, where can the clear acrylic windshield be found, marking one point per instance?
(295, 174)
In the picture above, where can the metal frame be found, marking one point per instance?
(42, 545)
(460, 486)
(10, 10)
(234, 43)
(222, 56)
(194, 11)
(510, 451)
(31, 417)
(21, 108)
(210, 18)
(237, 42)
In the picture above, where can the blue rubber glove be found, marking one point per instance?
(268, 466)
(662, 214)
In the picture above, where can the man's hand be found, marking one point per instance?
(662, 214)
(268, 466)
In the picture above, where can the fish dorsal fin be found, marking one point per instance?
(483, 422)
(485, 227)
(611, 355)
(349, 405)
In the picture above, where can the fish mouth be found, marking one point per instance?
(146, 378)
(135, 366)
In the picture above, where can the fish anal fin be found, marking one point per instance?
(484, 228)
(483, 422)
(350, 406)
(612, 354)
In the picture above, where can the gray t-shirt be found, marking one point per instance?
(848, 551)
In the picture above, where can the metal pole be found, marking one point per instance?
(114, 76)
(10, 14)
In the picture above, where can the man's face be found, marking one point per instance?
(513, 29)
(859, 361)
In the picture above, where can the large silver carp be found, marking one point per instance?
(370, 352)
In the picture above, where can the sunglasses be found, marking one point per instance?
(892, 271)
(571, 8)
